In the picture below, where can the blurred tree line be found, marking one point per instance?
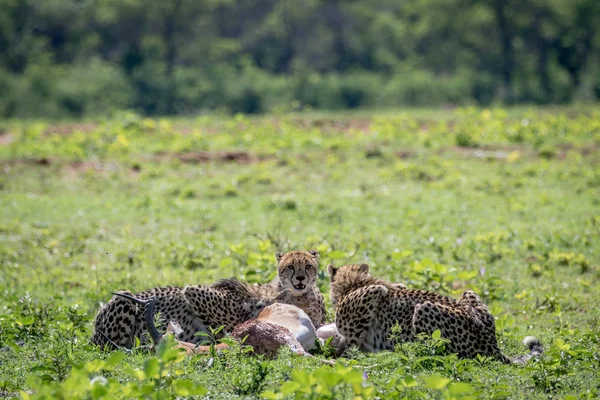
(70, 58)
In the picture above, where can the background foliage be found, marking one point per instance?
(69, 58)
(505, 203)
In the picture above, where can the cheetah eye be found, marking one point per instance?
(308, 266)
(290, 266)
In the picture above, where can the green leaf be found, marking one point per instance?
(26, 321)
(460, 389)
(47, 378)
(288, 388)
(218, 330)
(364, 392)
(427, 262)
(98, 391)
(173, 355)
(330, 378)
(271, 395)
(254, 259)
(437, 334)
(436, 382)
(409, 381)
(94, 365)
(228, 341)
(467, 275)
(185, 387)
(151, 367)
(148, 389)
(397, 256)
(354, 377)
(264, 245)
(226, 262)
(561, 345)
(138, 374)
(336, 255)
(114, 360)
(301, 376)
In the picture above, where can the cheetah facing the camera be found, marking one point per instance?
(367, 308)
(226, 303)
(298, 271)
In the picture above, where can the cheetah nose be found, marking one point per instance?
(301, 278)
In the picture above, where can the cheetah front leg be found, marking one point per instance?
(321, 314)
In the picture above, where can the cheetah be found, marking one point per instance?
(366, 309)
(226, 303)
(298, 270)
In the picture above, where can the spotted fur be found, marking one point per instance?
(367, 308)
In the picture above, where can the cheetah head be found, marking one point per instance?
(343, 277)
(297, 270)
(352, 269)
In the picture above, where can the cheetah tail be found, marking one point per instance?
(535, 349)
(149, 315)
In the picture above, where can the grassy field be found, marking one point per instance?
(503, 203)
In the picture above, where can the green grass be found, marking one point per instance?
(504, 203)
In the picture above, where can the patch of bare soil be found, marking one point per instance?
(324, 124)
(198, 157)
(501, 152)
(333, 125)
(43, 161)
(66, 129)
(5, 138)
(78, 167)
(69, 168)
(405, 154)
(188, 130)
(83, 166)
(497, 152)
(564, 149)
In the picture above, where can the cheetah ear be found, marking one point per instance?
(331, 270)
(279, 256)
(364, 268)
(314, 253)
